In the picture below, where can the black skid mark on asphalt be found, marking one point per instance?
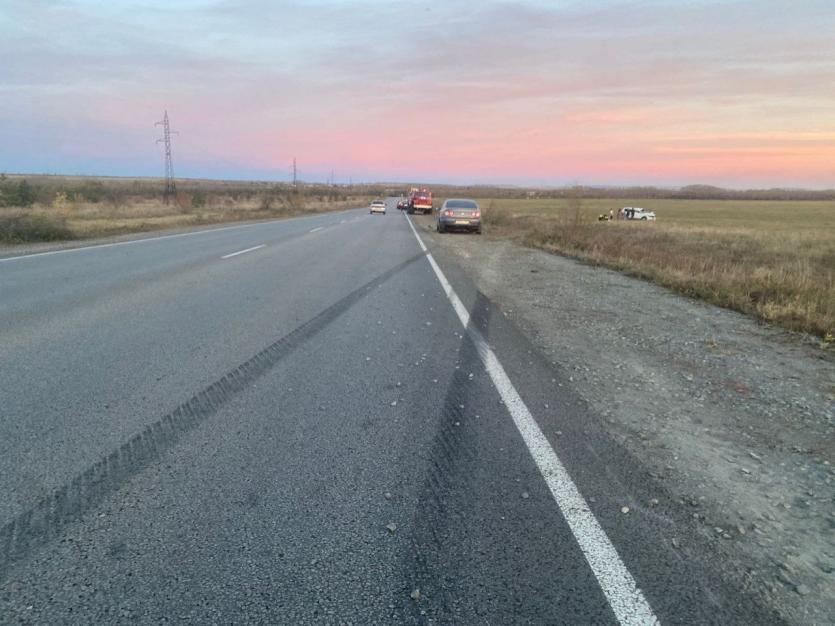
(45, 521)
(452, 451)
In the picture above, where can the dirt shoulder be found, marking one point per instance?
(734, 417)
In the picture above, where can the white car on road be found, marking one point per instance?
(377, 206)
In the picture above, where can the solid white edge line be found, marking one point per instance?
(229, 256)
(627, 602)
(145, 239)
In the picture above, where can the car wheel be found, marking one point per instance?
(440, 228)
(644, 219)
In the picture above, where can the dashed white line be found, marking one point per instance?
(316, 229)
(229, 256)
(618, 585)
(159, 238)
(133, 241)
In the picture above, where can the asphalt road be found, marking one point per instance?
(304, 432)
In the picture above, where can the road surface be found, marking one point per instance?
(288, 422)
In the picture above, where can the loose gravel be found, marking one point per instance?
(734, 417)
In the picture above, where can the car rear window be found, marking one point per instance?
(461, 204)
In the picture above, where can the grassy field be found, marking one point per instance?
(774, 260)
(54, 208)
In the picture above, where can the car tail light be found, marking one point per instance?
(448, 213)
(476, 213)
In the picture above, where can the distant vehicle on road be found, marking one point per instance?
(402, 204)
(377, 206)
(637, 213)
(459, 214)
(420, 199)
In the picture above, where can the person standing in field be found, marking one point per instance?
(611, 214)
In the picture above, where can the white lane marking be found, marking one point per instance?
(315, 229)
(627, 601)
(132, 241)
(229, 256)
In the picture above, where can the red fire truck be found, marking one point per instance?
(420, 199)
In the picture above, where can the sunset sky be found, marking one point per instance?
(545, 92)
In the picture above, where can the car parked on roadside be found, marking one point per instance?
(402, 204)
(459, 214)
(377, 206)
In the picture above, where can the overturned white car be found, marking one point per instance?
(637, 213)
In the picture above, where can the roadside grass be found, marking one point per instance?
(29, 226)
(774, 260)
(65, 219)
(97, 221)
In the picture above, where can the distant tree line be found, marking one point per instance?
(690, 192)
(25, 191)
(19, 191)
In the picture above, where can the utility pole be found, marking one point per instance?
(170, 188)
(295, 180)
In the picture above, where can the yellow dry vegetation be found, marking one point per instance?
(771, 259)
(80, 220)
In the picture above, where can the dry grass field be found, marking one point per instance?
(774, 260)
(53, 208)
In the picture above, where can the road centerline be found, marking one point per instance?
(229, 256)
(618, 585)
(114, 244)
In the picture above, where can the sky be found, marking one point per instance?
(545, 92)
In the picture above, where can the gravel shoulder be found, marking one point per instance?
(734, 417)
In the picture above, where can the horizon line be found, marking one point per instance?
(428, 184)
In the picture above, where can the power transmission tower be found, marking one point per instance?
(170, 187)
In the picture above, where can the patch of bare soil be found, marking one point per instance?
(736, 418)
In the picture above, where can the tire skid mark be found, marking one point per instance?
(451, 448)
(45, 521)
